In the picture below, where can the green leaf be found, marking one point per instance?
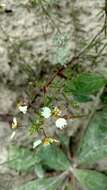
(82, 98)
(85, 85)
(93, 146)
(48, 101)
(64, 140)
(21, 159)
(91, 180)
(53, 157)
(51, 183)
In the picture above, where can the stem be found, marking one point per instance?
(72, 61)
(74, 116)
(44, 132)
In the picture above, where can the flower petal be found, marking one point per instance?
(37, 143)
(12, 135)
(14, 123)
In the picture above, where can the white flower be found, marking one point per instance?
(46, 112)
(12, 135)
(61, 123)
(37, 143)
(22, 108)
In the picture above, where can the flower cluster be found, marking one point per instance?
(60, 123)
(47, 113)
